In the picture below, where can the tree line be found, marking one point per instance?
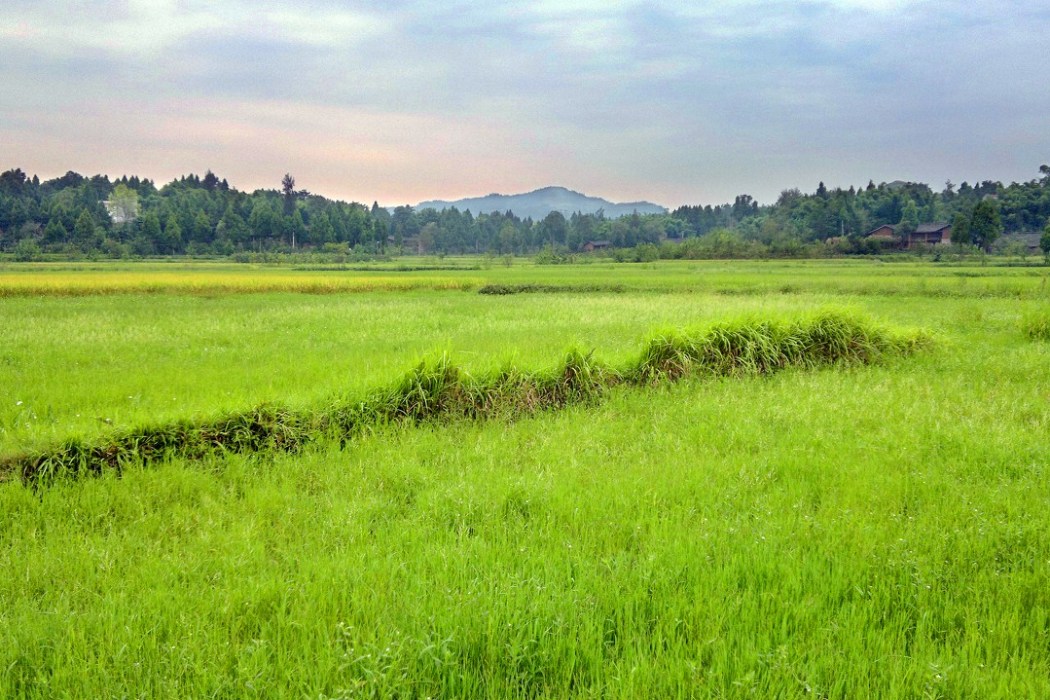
(194, 215)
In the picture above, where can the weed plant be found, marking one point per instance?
(1036, 325)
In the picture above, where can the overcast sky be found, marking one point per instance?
(673, 102)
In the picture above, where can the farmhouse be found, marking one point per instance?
(930, 234)
(1026, 240)
(925, 234)
(882, 233)
(595, 245)
(120, 212)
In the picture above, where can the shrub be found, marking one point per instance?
(26, 250)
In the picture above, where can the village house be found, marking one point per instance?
(1028, 241)
(924, 234)
(590, 246)
(882, 233)
(930, 234)
(119, 212)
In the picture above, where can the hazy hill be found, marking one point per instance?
(541, 202)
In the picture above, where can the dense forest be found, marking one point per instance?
(75, 215)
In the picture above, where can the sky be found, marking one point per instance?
(400, 102)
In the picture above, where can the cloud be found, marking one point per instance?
(332, 30)
(149, 28)
(671, 101)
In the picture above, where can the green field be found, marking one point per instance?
(860, 531)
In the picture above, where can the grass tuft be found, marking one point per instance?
(1036, 326)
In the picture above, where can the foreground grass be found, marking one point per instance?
(803, 535)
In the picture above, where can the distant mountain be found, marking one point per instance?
(539, 203)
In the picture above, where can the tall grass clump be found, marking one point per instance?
(260, 429)
(763, 347)
(1036, 326)
(439, 389)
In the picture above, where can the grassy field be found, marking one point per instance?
(875, 531)
(852, 277)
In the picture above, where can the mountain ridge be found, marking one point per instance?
(540, 202)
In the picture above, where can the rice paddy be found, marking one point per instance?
(853, 277)
(441, 389)
(869, 520)
(58, 280)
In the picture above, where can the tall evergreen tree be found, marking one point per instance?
(171, 237)
(85, 233)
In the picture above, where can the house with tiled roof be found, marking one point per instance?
(930, 234)
(924, 234)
